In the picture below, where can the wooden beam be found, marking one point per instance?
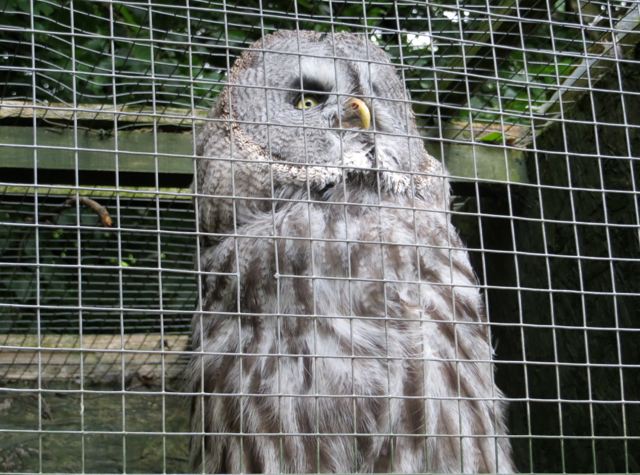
(59, 357)
(60, 113)
(55, 155)
(486, 152)
(54, 151)
(59, 151)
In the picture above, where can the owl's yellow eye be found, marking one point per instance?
(307, 102)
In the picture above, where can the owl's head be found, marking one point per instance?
(308, 97)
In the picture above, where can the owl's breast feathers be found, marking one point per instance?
(374, 300)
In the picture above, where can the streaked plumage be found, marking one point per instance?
(338, 284)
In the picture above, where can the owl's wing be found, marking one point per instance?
(464, 405)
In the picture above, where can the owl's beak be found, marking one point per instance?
(356, 114)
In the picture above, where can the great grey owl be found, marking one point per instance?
(341, 327)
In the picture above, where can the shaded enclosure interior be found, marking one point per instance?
(573, 313)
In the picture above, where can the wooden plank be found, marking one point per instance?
(56, 149)
(480, 152)
(96, 157)
(58, 112)
(60, 357)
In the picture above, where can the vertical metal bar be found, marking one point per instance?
(121, 315)
(152, 57)
(36, 221)
(605, 213)
(74, 87)
(195, 191)
(563, 123)
(198, 263)
(545, 246)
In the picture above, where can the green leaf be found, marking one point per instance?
(494, 137)
(43, 8)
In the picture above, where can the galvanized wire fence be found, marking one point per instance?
(533, 107)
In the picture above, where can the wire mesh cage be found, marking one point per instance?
(532, 107)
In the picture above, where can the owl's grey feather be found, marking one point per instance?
(342, 329)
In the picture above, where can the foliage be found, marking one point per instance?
(168, 54)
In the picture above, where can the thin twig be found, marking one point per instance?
(89, 203)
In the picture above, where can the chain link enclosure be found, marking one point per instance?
(533, 106)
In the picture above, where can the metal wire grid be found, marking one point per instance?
(569, 236)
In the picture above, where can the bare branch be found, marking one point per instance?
(89, 203)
